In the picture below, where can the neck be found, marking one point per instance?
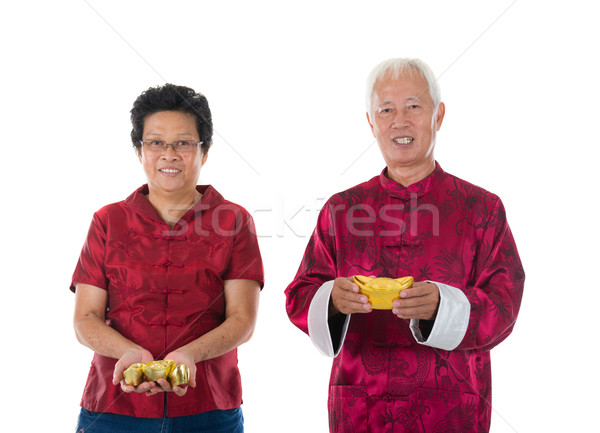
(406, 176)
(172, 206)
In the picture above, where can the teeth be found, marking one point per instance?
(169, 170)
(403, 140)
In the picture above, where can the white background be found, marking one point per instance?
(285, 83)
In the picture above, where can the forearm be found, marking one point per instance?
(233, 332)
(93, 332)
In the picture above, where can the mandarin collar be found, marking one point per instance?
(415, 190)
(139, 201)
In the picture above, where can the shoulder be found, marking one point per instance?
(121, 208)
(123, 205)
(227, 207)
(480, 207)
(226, 212)
(213, 199)
(109, 211)
(453, 185)
(111, 208)
(356, 194)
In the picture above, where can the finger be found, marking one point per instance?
(346, 297)
(347, 302)
(165, 385)
(154, 390)
(419, 312)
(118, 374)
(180, 390)
(415, 292)
(126, 388)
(145, 387)
(192, 379)
(354, 307)
(412, 292)
(346, 284)
(409, 306)
(413, 302)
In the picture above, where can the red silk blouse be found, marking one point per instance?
(165, 289)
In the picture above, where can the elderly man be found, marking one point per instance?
(424, 365)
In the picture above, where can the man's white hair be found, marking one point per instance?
(393, 68)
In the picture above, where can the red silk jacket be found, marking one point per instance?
(441, 229)
(165, 289)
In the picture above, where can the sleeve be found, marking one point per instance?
(307, 296)
(495, 296)
(326, 334)
(451, 321)
(245, 261)
(90, 267)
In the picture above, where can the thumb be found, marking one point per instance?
(117, 377)
(192, 379)
(117, 373)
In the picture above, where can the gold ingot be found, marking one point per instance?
(382, 291)
(180, 375)
(134, 375)
(158, 370)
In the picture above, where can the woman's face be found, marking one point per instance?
(169, 171)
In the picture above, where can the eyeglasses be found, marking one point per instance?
(178, 146)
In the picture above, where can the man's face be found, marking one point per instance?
(404, 121)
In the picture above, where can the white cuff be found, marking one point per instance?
(318, 325)
(451, 322)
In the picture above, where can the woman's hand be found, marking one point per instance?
(180, 356)
(132, 356)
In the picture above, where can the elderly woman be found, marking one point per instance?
(172, 272)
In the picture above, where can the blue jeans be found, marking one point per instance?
(216, 421)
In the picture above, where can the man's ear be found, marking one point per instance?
(439, 116)
(371, 125)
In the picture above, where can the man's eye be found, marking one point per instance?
(185, 143)
(386, 110)
(412, 107)
(157, 143)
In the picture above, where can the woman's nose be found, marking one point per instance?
(169, 153)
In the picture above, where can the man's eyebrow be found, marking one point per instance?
(408, 99)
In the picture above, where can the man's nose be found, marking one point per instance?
(400, 120)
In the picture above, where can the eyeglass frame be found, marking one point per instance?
(173, 145)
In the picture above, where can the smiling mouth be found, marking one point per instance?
(169, 170)
(403, 140)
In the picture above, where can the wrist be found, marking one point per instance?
(333, 311)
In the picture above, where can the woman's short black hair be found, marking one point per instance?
(172, 98)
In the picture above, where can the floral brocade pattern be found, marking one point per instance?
(441, 229)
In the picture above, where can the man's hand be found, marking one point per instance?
(132, 356)
(345, 298)
(421, 301)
